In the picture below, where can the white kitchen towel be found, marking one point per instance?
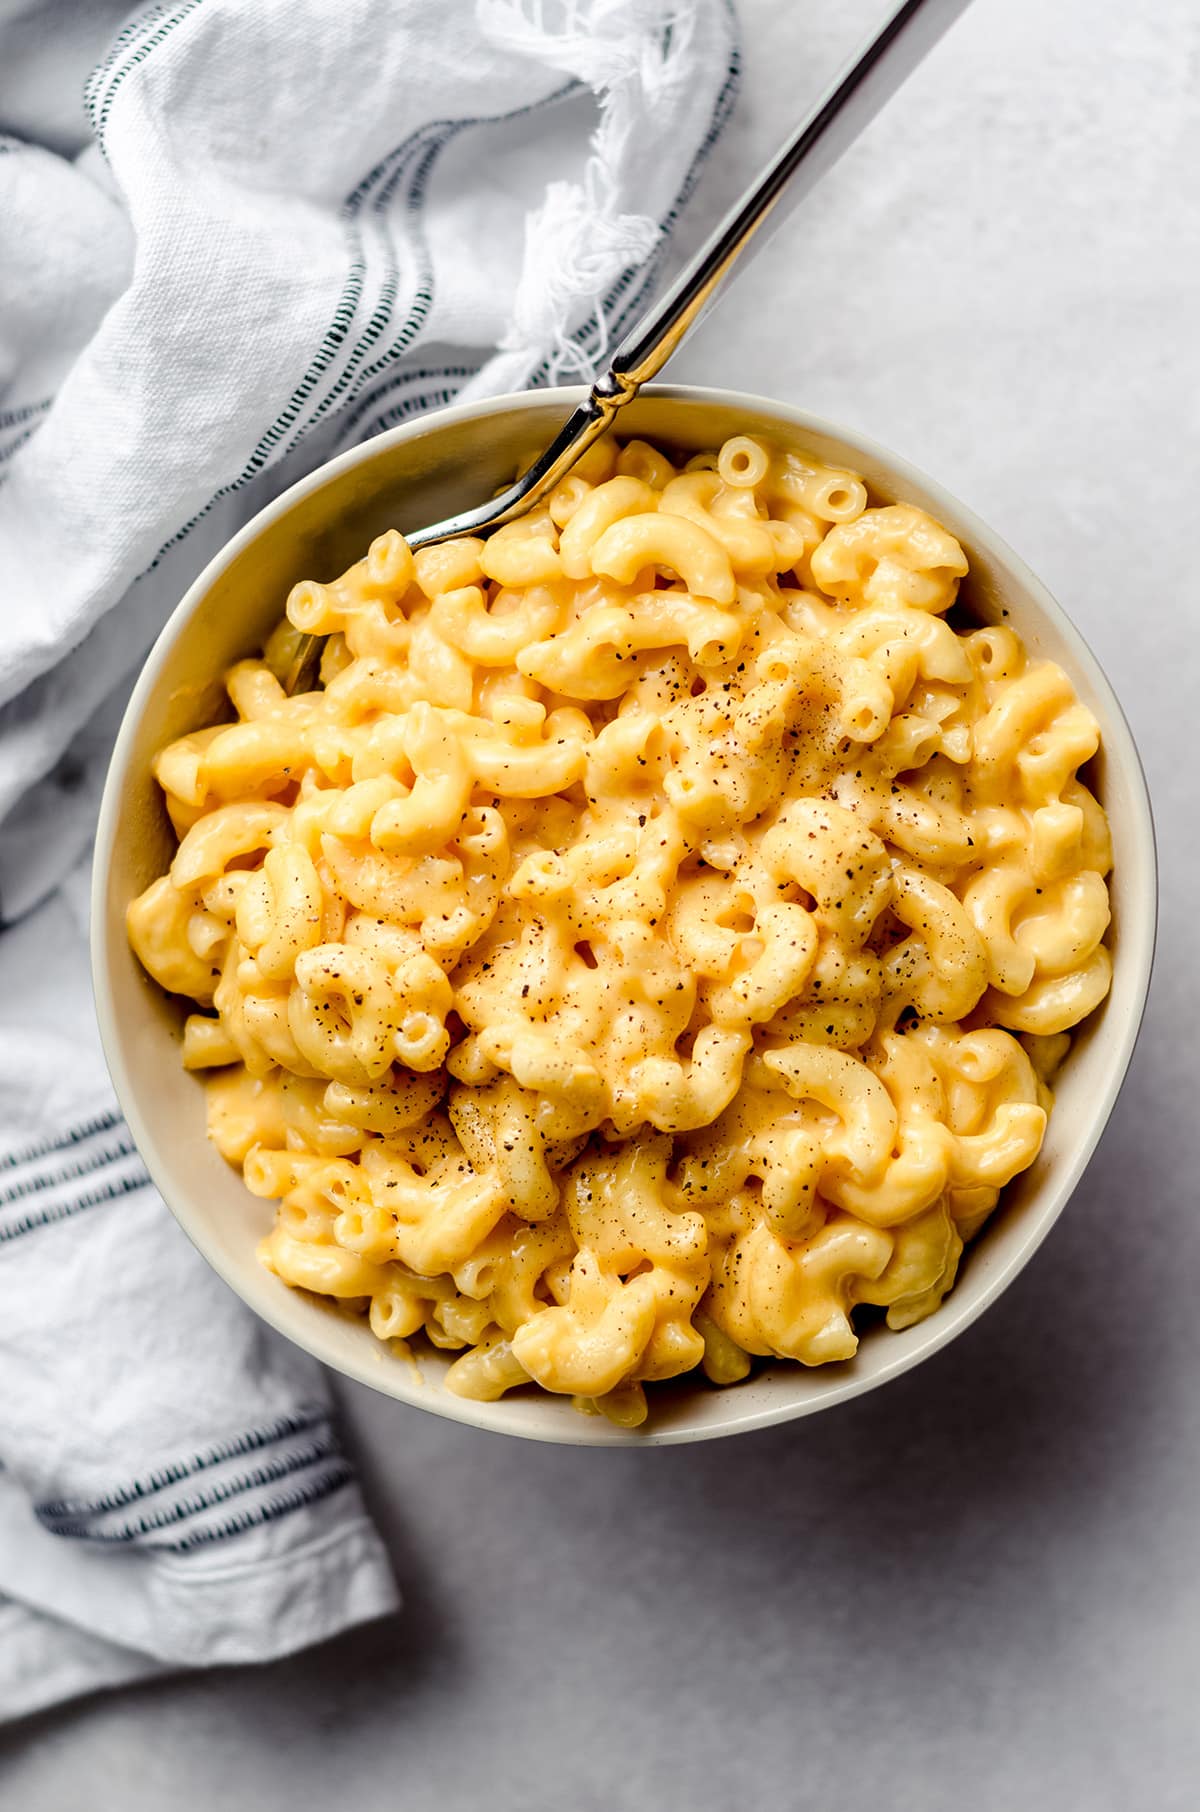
(293, 225)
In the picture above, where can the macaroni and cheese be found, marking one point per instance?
(654, 938)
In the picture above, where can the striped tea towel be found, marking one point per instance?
(172, 1491)
(285, 227)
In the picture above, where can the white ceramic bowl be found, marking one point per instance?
(419, 473)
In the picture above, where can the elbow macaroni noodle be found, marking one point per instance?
(653, 939)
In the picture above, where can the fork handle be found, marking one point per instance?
(852, 101)
(830, 127)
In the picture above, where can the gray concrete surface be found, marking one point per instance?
(979, 1587)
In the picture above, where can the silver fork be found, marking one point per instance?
(851, 102)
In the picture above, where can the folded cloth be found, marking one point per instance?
(173, 1492)
(293, 226)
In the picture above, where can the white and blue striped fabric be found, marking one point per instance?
(274, 229)
(172, 1488)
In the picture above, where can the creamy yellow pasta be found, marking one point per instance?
(653, 938)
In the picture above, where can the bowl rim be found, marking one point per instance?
(956, 1314)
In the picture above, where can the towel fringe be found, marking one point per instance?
(578, 242)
